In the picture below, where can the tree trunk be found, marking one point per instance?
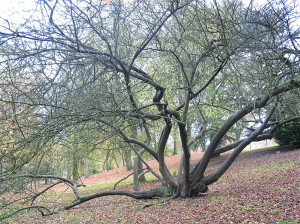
(136, 174)
(69, 169)
(175, 151)
(141, 174)
(69, 162)
(138, 165)
(75, 167)
(86, 167)
(127, 159)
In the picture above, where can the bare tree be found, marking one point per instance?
(119, 68)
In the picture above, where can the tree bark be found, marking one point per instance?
(227, 163)
(186, 161)
(161, 157)
(199, 168)
(127, 159)
(86, 167)
(157, 192)
(75, 166)
(175, 152)
(136, 182)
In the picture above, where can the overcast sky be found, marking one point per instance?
(17, 6)
(7, 7)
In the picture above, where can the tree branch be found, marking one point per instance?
(200, 167)
(227, 163)
(148, 194)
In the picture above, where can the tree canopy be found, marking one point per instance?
(86, 72)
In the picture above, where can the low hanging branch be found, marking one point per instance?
(157, 192)
(42, 209)
(73, 184)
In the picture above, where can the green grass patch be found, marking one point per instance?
(111, 184)
(260, 148)
(275, 166)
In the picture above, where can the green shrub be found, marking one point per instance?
(288, 135)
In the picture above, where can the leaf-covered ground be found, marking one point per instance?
(261, 187)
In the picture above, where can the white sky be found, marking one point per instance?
(14, 10)
(16, 6)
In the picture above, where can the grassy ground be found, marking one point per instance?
(261, 190)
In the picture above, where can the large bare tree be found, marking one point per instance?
(210, 70)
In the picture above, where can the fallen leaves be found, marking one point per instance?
(264, 190)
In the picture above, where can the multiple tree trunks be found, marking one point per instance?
(85, 72)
